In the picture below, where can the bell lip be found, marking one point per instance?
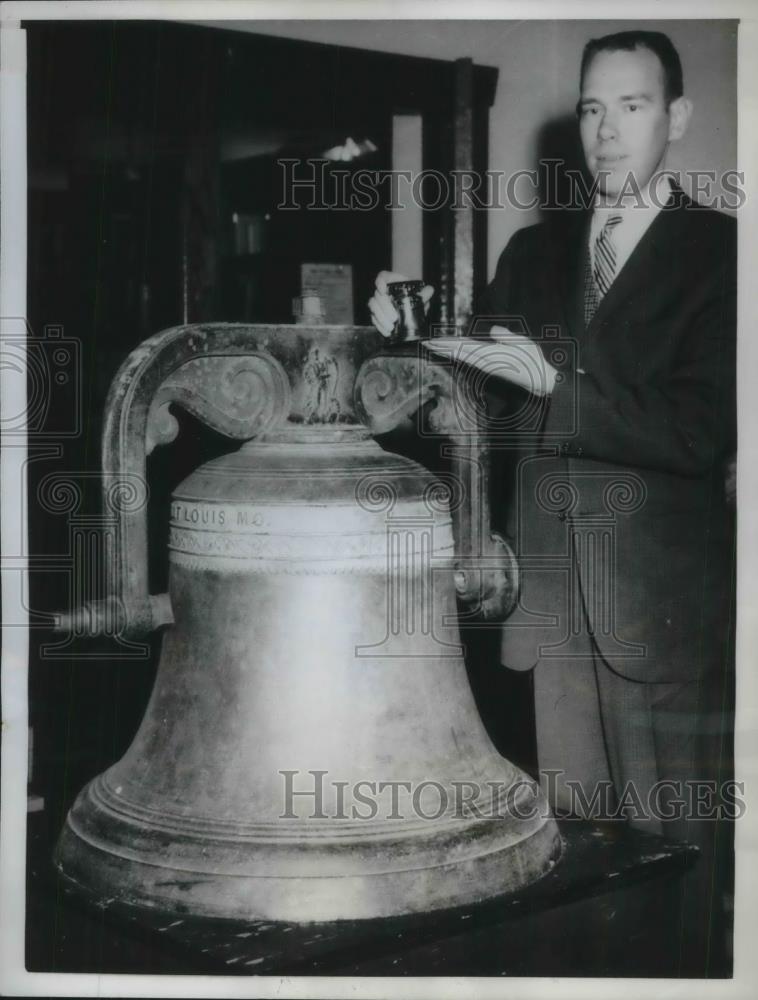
(446, 881)
(285, 902)
(107, 829)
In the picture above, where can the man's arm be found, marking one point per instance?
(682, 423)
(681, 420)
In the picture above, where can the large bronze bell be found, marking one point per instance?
(311, 749)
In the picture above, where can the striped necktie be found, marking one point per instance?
(604, 263)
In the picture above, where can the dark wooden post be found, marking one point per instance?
(463, 211)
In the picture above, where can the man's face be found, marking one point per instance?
(624, 123)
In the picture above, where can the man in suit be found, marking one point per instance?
(620, 519)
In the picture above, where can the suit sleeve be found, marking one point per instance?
(681, 420)
(502, 304)
(500, 297)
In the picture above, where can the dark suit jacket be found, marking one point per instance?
(619, 516)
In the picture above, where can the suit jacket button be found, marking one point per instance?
(579, 452)
(562, 515)
(565, 448)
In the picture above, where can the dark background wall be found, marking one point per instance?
(538, 81)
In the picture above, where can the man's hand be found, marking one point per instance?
(526, 365)
(383, 313)
(512, 357)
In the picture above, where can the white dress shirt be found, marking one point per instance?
(636, 218)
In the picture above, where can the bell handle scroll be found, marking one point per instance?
(390, 388)
(163, 370)
(237, 396)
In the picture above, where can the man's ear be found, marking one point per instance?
(680, 112)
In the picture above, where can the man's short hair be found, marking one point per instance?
(628, 41)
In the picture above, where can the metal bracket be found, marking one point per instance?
(392, 387)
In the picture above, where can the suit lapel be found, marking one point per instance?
(651, 253)
(571, 247)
